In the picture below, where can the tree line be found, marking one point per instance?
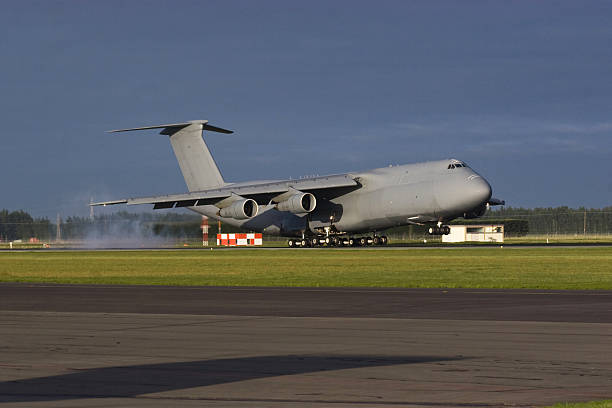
(21, 225)
(172, 225)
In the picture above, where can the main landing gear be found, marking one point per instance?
(337, 241)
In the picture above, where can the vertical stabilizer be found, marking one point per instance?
(197, 164)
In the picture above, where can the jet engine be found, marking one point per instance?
(240, 209)
(300, 203)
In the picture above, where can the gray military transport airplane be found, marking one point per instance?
(348, 209)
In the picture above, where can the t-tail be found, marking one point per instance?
(197, 164)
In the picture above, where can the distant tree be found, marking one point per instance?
(20, 225)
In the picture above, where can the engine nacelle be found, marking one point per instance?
(240, 210)
(300, 203)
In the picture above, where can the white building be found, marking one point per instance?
(478, 233)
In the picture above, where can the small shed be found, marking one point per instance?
(475, 233)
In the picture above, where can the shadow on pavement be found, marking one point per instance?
(128, 381)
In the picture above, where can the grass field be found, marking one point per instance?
(592, 404)
(544, 268)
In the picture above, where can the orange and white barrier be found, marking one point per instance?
(239, 239)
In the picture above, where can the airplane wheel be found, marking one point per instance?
(446, 230)
(363, 241)
(291, 243)
(314, 241)
(335, 241)
(376, 240)
(352, 242)
(304, 243)
(384, 240)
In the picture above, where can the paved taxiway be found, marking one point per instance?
(156, 346)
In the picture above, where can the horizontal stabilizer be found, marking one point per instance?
(174, 127)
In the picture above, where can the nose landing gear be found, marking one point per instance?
(439, 230)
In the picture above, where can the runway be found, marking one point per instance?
(453, 304)
(95, 346)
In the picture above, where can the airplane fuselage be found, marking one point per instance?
(429, 192)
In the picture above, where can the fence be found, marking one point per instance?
(538, 222)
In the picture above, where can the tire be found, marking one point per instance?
(291, 243)
(384, 240)
(363, 241)
(304, 243)
(376, 240)
(352, 242)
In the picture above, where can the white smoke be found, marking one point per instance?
(121, 233)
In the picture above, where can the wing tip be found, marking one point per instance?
(105, 203)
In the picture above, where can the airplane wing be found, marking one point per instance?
(262, 192)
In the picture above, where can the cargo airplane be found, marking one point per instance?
(350, 209)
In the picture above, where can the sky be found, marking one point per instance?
(520, 90)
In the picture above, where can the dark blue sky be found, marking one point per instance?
(520, 90)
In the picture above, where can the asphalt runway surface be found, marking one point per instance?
(142, 346)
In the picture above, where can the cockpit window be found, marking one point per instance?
(455, 165)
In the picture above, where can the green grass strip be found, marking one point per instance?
(539, 268)
(592, 404)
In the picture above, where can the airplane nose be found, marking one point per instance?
(479, 188)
